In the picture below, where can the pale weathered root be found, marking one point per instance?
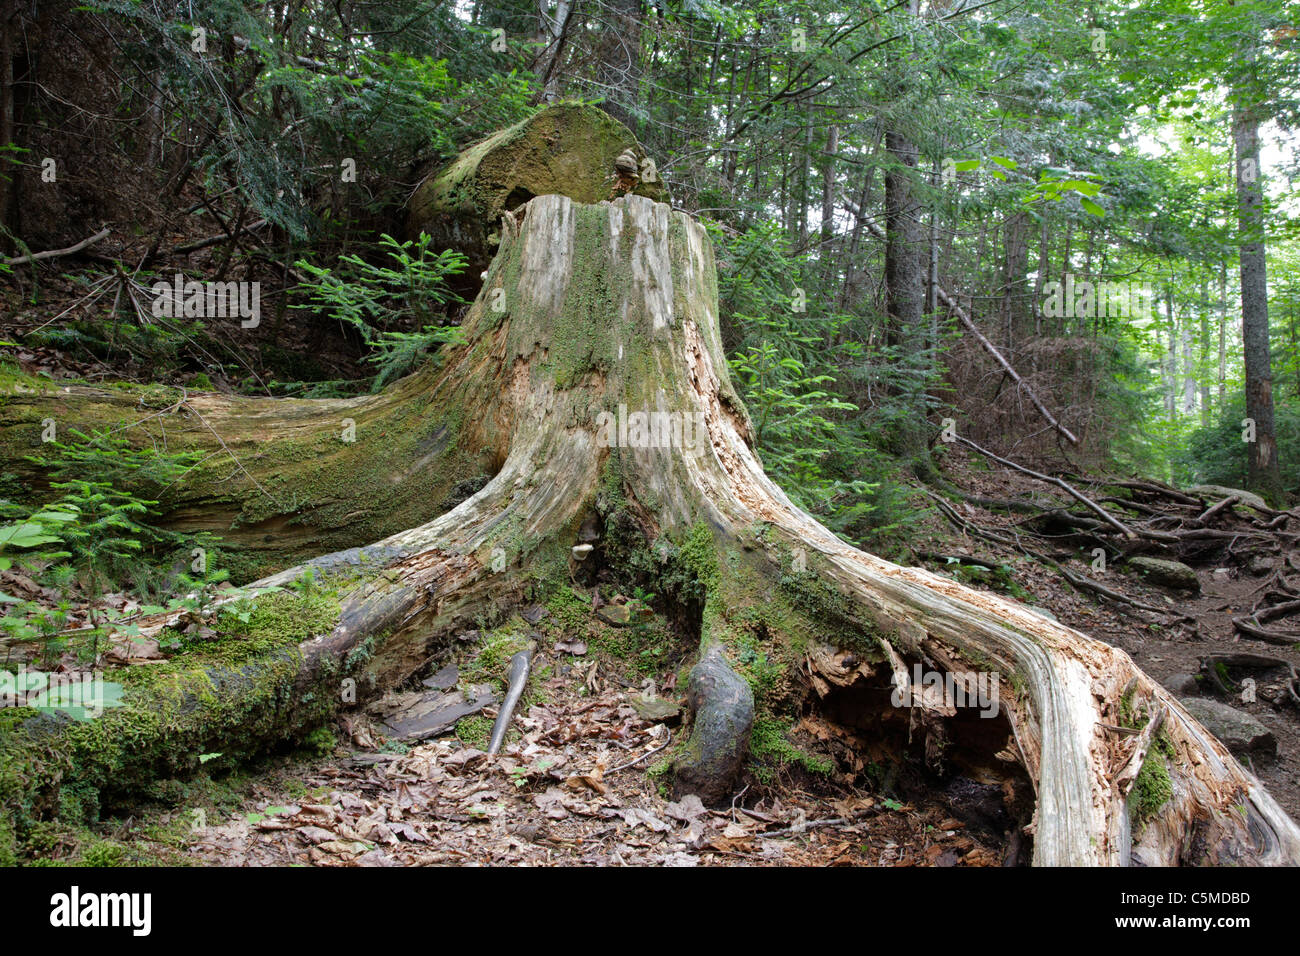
(1072, 685)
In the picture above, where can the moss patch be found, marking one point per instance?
(1153, 787)
(236, 695)
(770, 749)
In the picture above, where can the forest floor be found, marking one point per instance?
(1170, 651)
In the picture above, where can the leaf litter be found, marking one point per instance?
(575, 788)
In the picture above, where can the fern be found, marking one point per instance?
(372, 298)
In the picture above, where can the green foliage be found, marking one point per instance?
(787, 405)
(1217, 455)
(1152, 788)
(796, 371)
(320, 742)
(474, 731)
(94, 536)
(373, 298)
(384, 89)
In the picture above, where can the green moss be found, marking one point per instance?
(569, 614)
(753, 660)
(491, 661)
(1153, 787)
(644, 648)
(997, 579)
(564, 148)
(771, 749)
(103, 853)
(236, 695)
(321, 742)
(474, 731)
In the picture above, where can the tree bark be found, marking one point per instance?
(905, 273)
(1263, 474)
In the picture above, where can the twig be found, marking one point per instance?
(811, 824)
(648, 753)
(213, 240)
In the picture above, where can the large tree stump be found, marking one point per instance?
(594, 381)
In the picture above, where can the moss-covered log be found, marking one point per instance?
(280, 480)
(595, 374)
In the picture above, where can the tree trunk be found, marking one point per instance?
(1015, 266)
(618, 60)
(828, 194)
(551, 35)
(1223, 332)
(1263, 474)
(905, 273)
(601, 394)
(1203, 352)
(8, 164)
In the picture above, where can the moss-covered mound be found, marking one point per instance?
(564, 149)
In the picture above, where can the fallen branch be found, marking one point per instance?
(648, 753)
(1068, 489)
(519, 665)
(58, 253)
(1158, 489)
(1076, 581)
(214, 240)
(1213, 510)
(992, 349)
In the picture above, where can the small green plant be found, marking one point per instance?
(474, 731)
(374, 298)
(320, 742)
(772, 749)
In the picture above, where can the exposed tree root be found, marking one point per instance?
(610, 310)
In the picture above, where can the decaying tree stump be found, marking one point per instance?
(594, 382)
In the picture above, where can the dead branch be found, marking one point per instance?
(992, 349)
(58, 253)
